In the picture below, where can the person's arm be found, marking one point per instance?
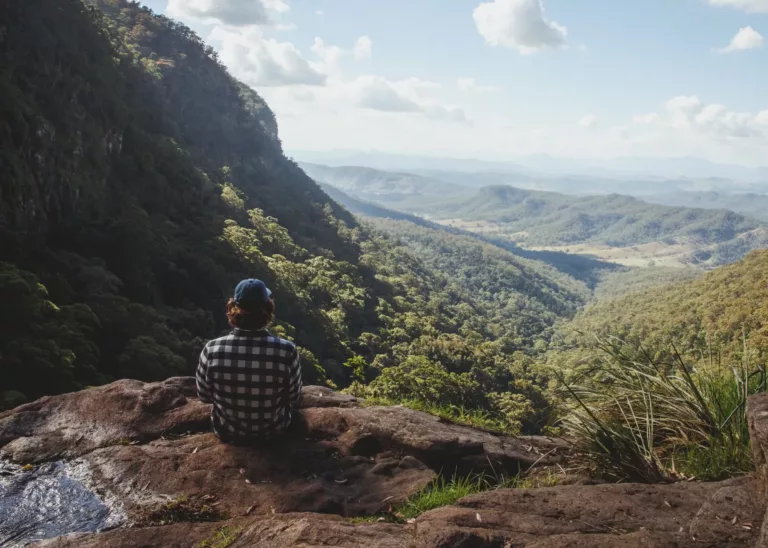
(203, 388)
(294, 381)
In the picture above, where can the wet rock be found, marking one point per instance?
(41, 502)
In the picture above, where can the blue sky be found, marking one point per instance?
(501, 78)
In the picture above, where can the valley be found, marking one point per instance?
(464, 327)
(617, 228)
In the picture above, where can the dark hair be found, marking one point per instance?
(251, 320)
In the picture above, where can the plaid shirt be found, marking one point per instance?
(252, 379)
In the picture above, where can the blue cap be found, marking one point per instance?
(252, 293)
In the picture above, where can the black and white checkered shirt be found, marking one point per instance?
(252, 379)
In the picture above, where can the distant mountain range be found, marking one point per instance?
(749, 203)
(375, 184)
(709, 236)
(622, 168)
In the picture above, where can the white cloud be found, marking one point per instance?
(588, 121)
(646, 119)
(713, 120)
(319, 12)
(329, 55)
(228, 12)
(363, 46)
(405, 96)
(468, 85)
(260, 61)
(518, 24)
(746, 38)
(752, 6)
(378, 93)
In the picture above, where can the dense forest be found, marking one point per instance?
(141, 182)
(722, 311)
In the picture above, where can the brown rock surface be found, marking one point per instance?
(294, 476)
(628, 515)
(73, 424)
(757, 419)
(281, 531)
(139, 445)
(625, 516)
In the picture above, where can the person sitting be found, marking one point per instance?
(252, 378)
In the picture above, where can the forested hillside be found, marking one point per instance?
(140, 182)
(548, 218)
(723, 311)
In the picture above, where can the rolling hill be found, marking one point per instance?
(748, 203)
(551, 220)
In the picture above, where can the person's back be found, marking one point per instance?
(251, 377)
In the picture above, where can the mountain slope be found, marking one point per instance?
(749, 203)
(716, 310)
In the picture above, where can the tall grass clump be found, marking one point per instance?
(650, 420)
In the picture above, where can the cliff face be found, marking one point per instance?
(139, 183)
(137, 457)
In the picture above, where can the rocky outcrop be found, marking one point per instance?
(140, 445)
(279, 531)
(137, 446)
(757, 419)
(719, 515)
(682, 514)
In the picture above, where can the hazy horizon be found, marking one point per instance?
(542, 164)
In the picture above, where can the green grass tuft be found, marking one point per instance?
(445, 492)
(642, 420)
(441, 492)
(222, 538)
(182, 510)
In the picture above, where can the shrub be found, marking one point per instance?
(644, 420)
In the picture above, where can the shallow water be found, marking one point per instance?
(50, 500)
